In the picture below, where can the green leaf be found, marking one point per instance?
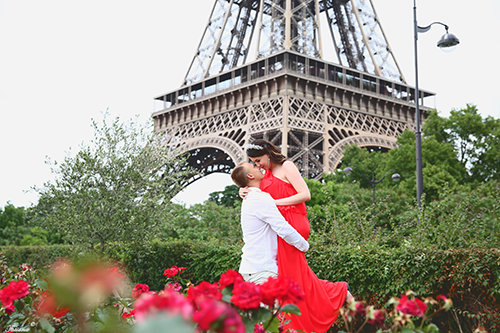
(227, 291)
(227, 298)
(249, 326)
(46, 326)
(41, 284)
(273, 326)
(261, 315)
(407, 330)
(291, 308)
(431, 328)
(164, 323)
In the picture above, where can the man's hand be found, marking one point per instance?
(243, 192)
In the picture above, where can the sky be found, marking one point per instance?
(65, 62)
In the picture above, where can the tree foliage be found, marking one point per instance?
(12, 225)
(115, 190)
(203, 222)
(462, 150)
(476, 141)
(229, 197)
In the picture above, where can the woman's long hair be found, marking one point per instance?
(260, 147)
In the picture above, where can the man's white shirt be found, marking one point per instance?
(261, 221)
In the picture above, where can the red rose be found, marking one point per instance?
(174, 286)
(173, 271)
(232, 322)
(281, 289)
(447, 303)
(99, 277)
(218, 316)
(15, 290)
(378, 318)
(168, 301)
(246, 295)
(359, 309)
(47, 304)
(204, 290)
(414, 307)
(115, 271)
(273, 289)
(10, 308)
(125, 315)
(139, 289)
(295, 294)
(229, 278)
(209, 312)
(259, 328)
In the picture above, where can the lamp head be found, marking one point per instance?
(396, 177)
(348, 170)
(448, 42)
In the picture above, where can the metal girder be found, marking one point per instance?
(289, 25)
(293, 25)
(226, 39)
(359, 40)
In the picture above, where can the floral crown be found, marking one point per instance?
(252, 146)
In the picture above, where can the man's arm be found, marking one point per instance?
(269, 213)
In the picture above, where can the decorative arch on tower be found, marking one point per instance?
(337, 151)
(211, 155)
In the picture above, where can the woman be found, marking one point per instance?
(284, 183)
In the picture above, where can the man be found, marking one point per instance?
(261, 223)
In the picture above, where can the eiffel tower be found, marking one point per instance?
(288, 94)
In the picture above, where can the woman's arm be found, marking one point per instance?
(294, 177)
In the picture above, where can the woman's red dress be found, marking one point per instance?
(323, 298)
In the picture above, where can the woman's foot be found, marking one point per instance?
(349, 298)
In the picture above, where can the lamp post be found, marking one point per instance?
(447, 41)
(372, 181)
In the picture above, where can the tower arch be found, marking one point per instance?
(210, 155)
(337, 151)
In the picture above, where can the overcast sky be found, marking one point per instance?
(64, 62)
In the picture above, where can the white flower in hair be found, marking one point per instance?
(252, 146)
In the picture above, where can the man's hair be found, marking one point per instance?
(239, 175)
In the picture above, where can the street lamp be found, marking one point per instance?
(373, 182)
(447, 42)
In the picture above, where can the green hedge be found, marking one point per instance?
(203, 260)
(38, 256)
(471, 277)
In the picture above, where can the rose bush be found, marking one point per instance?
(86, 298)
(97, 297)
(408, 314)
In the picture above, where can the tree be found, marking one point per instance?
(368, 162)
(12, 225)
(116, 190)
(476, 141)
(487, 166)
(439, 165)
(204, 221)
(229, 197)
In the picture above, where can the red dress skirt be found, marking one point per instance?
(323, 298)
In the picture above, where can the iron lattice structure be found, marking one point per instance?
(288, 94)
